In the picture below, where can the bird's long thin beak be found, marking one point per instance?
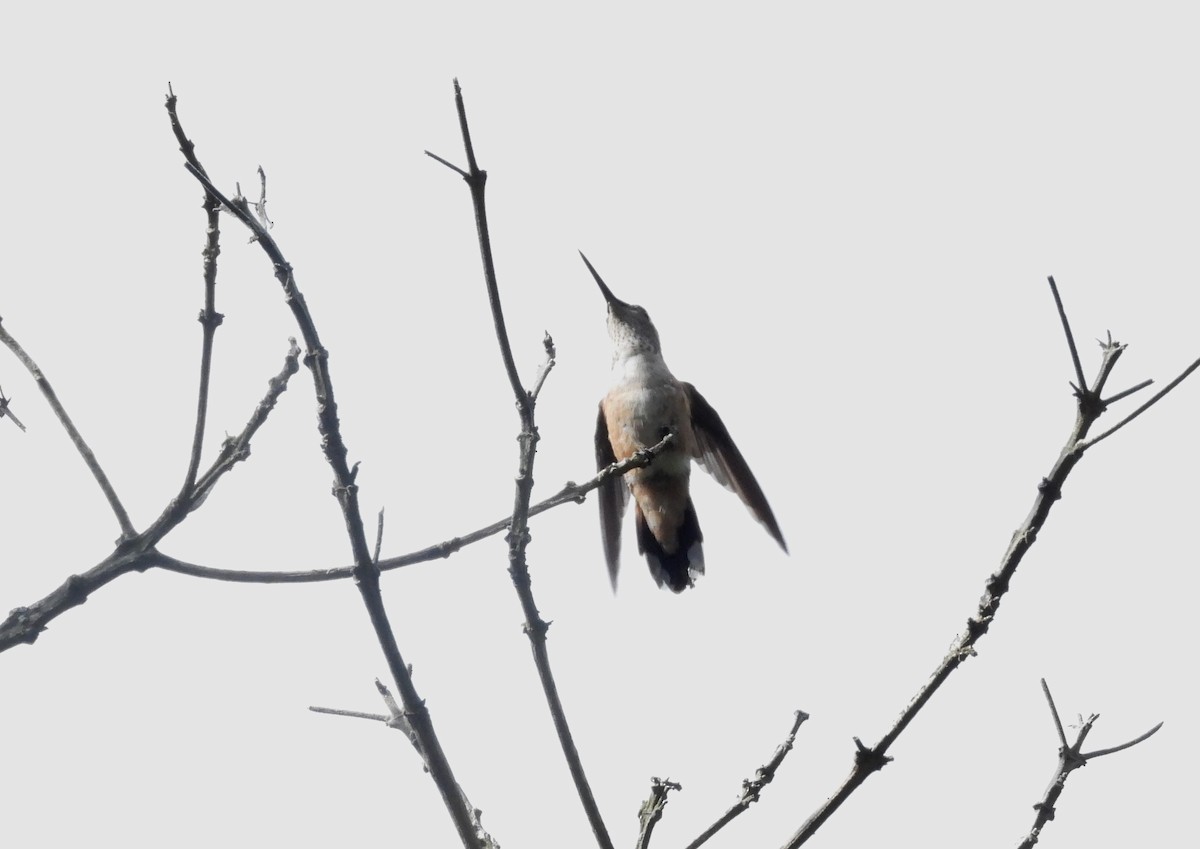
(608, 295)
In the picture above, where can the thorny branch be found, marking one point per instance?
(1090, 406)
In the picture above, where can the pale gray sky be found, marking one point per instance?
(841, 218)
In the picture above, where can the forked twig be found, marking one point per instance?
(476, 180)
(137, 553)
(1070, 758)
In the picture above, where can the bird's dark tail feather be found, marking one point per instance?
(678, 569)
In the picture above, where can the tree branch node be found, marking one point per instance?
(1051, 489)
(869, 759)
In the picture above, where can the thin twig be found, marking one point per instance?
(1069, 759)
(396, 719)
(209, 318)
(518, 536)
(477, 181)
(378, 537)
(547, 366)
(448, 164)
(1125, 393)
(753, 787)
(6, 410)
(1083, 446)
(1062, 314)
(353, 714)
(1099, 753)
(870, 759)
(89, 458)
(237, 448)
(1058, 726)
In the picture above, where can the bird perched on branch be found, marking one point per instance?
(644, 403)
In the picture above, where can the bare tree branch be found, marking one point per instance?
(25, 623)
(571, 492)
(366, 572)
(753, 787)
(137, 553)
(1069, 759)
(870, 759)
(518, 535)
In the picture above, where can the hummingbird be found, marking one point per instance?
(644, 403)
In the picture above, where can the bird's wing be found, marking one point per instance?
(613, 496)
(718, 455)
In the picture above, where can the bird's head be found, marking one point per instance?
(628, 324)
